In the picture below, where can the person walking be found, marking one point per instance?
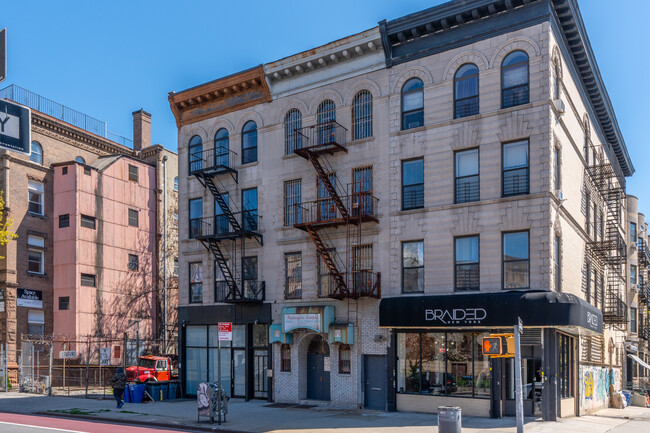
(118, 382)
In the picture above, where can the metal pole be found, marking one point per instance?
(137, 351)
(124, 353)
(32, 372)
(64, 343)
(49, 385)
(219, 402)
(164, 251)
(520, 397)
(87, 362)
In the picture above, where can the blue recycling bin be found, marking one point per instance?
(172, 391)
(127, 394)
(137, 393)
(153, 389)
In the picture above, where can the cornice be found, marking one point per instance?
(69, 134)
(323, 57)
(231, 93)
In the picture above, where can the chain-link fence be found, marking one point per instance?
(61, 366)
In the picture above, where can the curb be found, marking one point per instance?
(179, 427)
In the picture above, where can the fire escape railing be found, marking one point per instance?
(335, 209)
(227, 226)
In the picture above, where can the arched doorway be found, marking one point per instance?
(318, 374)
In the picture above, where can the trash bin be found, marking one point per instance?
(137, 393)
(449, 419)
(172, 390)
(127, 394)
(153, 389)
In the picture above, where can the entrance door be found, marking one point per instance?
(239, 372)
(318, 371)
(374, 372)
(260, 360)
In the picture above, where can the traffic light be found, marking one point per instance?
(493, 345)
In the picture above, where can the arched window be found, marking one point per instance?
(412, 104)
(80, 160)
(344, 359)
(362, 115)
(556, 79)
(195, 154)
(249, 142)
(326, 118)
(222, 148)
(292, 138)
(176, 184)
(466, 91)
(514, 79)
(37, 153)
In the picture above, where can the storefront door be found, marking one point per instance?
(374, 371)
(239, 372)
(318, 374)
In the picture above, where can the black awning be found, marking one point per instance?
(496, 309)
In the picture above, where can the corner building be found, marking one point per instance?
(366, 211)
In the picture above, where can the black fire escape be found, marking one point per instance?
(643, 289)
(225, 233)
(337, 208)
(609, 249)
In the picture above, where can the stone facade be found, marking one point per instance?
(547, 211)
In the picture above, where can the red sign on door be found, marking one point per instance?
(225, 331)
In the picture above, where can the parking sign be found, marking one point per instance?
(225, 331)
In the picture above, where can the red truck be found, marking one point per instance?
(151, 369)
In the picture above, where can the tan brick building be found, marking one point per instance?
(365, 212)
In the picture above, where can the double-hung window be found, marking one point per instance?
(292, 202)
(467, 176)
(249, 142)
(133, 173)
(467, 263)
(133, 217)
(412, 104)
(133, 262)
(221, 223)
(633, 275)
(36, 322)
(413, 184)
(35, 255)
(36, 192)
(362, 115)
(514, 79)
(515, 168)
(249, 209)
(251, 288)
(196, 217)
(413, 267)
(195, 152)
(196, 282)
(293, 275)
(516, 262)
(632, 232)
(466, 91)
(292, 131)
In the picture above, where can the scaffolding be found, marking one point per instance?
(608, 248)
(225, 233)
(350, 276)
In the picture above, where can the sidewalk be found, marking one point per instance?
(254, 417)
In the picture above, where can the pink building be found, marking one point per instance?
(104, 250)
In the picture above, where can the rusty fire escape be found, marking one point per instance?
(336, 207)
(609, 249)
(225, 233)
(643, 289)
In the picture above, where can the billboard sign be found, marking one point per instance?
(15, 127)
(29, 298)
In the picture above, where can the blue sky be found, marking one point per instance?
(110, 58)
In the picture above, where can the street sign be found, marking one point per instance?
(68, 354)
(225, 331)
(15, 127)
(105, 356)
(3, 55)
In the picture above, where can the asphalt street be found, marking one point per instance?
(19, 423)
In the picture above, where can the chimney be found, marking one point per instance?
(141, 130)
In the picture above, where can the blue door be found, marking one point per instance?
(318, 379)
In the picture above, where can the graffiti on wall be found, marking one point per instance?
(594, 386)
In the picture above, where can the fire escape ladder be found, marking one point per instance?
(325, 253)
(322, 175)
(222, 263)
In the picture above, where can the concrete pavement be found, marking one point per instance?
(257, 417)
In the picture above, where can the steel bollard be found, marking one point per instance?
(449, 419)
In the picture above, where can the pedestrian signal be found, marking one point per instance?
(492, 346)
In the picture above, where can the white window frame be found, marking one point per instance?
(36, 245)
(37, 188)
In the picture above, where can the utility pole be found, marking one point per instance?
(519, 396)
(164, 251)
(49, 387)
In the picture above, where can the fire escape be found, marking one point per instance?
(336, 207)
(643, 289)
(609, 249)
(225, 233)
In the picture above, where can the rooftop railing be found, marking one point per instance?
(61, 112)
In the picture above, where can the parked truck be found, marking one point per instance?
(151, 369)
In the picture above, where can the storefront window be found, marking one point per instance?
(442, 364)
(433, 363)
(196, 357)
(459, 379)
